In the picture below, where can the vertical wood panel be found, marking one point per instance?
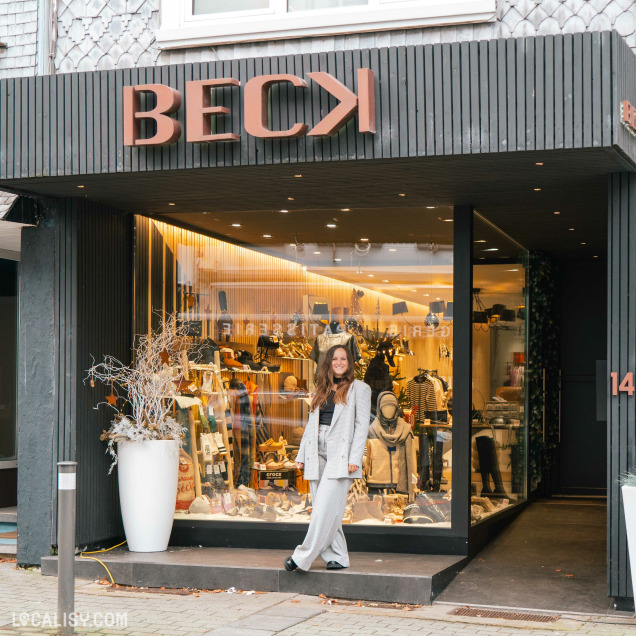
(521, 94)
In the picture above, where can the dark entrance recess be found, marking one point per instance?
(581, 459)
(8, 362)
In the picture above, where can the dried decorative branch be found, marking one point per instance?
(147, 387)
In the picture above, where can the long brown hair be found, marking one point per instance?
(325, 379)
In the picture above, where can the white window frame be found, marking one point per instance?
(179, 28)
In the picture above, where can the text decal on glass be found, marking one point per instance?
(626, 385)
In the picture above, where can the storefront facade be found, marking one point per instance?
(410, 152)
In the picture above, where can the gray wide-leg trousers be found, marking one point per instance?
(328, 501)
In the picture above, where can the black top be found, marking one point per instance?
(326, 410)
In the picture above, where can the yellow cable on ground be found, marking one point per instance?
(98, 561)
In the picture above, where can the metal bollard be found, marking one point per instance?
(66, 489)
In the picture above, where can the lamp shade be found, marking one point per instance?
(497, 310)
(508, 315)
(437, 307)
(400, 308)
(480, 317)
(448, 312)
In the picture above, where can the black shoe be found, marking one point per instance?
(334, 565)
(290, 566)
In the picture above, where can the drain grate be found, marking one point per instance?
(509, 616)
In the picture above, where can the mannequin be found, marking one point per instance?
(391, 460)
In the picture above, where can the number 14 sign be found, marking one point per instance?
(626, 385)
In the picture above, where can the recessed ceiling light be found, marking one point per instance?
(205, 213)
(172, 204)
(414, 290)
(267, 236)
(392, 249)
(345, 209)
(438, 298)
(583, 243)
(291, 199)
(447, 220)
(284, 211)
(512, 270)
(425, 294)
(571, 229)
(236, 225)
(491, 249)
(537, 189)
(331, 225)
(430, 207)
(337, 260)
(539, 163)
(385, 281)
(402, 194)
(557, 212)
(317, 252)
(595, 256)
(298, 176)
(480, 241)
(81, 186)
(364, 240)
(370, 275)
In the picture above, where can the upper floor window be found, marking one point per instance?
(203, 22)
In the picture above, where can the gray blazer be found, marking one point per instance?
(346, 438)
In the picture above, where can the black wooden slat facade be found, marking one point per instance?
(75, 303)
(443, 99)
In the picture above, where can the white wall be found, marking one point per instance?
(18, 30)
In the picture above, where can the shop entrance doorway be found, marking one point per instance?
(581, 460)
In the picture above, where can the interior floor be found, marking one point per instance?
(551, 557)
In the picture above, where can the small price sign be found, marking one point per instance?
(626, 385)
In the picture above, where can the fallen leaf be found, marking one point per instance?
(557, 570)
(359, 604)
(569, 575)
(295, 601)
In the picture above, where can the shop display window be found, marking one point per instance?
(499, 429)
(263, 298)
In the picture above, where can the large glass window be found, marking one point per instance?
(499, 425)
(263, 300)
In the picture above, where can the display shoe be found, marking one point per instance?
(375, 509)
(268, 514)
(334, 565)
(360, 511)
(257, 512)
(489, 466)
(290, 566)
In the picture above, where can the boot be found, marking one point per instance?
(438, 464)
(489, 467)
(425, 461)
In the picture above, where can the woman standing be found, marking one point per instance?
(331, 454)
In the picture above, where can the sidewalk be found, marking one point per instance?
(29, 598)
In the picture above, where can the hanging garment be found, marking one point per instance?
(325, 341)
(243, 410)
(378, 377)
(439, 392)
(391, 458)
(421, 395)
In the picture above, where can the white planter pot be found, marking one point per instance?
(148, 473)
(629, 505)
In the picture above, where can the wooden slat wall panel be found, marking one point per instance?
(443, 99)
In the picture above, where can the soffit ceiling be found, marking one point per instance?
(501, 187)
